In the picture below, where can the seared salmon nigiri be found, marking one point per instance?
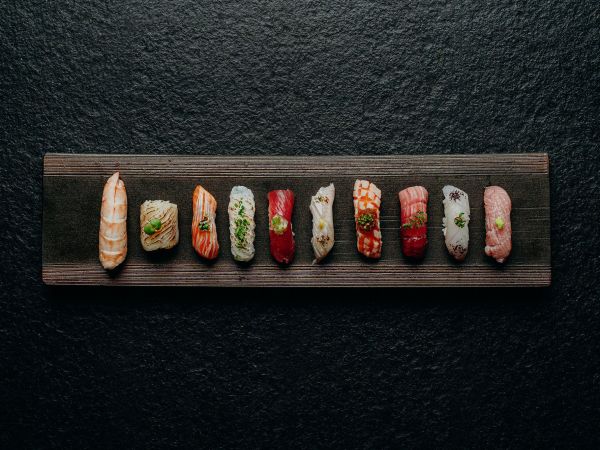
(281, 206)
(204, 229)
(498, 241)
(367, 202)
(112, 243)
(413, 218)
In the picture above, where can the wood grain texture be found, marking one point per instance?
(73, 188)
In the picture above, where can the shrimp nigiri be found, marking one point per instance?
(321, 207)
(413, 218)
(498, 241)
(204, 230)
(281, 206)
(456, 221)
(112, 243)
(367, 202)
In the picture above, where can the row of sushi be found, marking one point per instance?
(159, 222)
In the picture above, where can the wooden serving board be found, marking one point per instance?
(73, 187)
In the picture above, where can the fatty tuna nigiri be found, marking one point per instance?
(204, 229)
(367, 202)
(456, 221)
(241, 223)
(321, 207)
(498, 241)
(112, 242)
(281, 206)
(413, 219)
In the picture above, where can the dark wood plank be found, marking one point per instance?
(73, 189)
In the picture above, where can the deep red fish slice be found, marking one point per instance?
(281, 206)
(413, 219)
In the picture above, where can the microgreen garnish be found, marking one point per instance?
(460, 220)
(366, 221)
(417, 220)
(204, 224)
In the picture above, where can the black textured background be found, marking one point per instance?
(155, 367)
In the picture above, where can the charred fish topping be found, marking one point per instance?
(455, 195)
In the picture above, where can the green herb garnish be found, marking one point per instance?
(366, 221)
(156, 223)
(204, 224)
(241, 229)
(417, 220)
(149, 229)
(153, 226)
(460, 220)
(499, 223)
(278, 224)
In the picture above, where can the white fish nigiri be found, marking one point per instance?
(241, 223)
(321, 207)
(456, 221)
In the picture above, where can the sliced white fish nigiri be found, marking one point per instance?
(321, 207)
(241, 223)
(456, 221)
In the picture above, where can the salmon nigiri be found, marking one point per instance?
(112, 243)
(413, 218)
(204, 229)
(498, 241)
(367, 202)
(281, 206)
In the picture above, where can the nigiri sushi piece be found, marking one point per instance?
(204, 230)
(241, 223)
(498, 240)
(413, 219)
(456, 221)
(281, 206)
(367, 203)
(112, 242)
(321, 208)
(159, 228)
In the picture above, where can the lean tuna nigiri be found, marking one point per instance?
(112, 242)
(413, 219)
(456, 221)
(498, 241)
(281, 206)
(241, 223)
(367, 202)
(204, 230)
(321, 207)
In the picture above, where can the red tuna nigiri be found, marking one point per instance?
(413, 219)
(281, 206)
(498, 241)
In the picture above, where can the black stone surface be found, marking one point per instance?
(155, 368)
